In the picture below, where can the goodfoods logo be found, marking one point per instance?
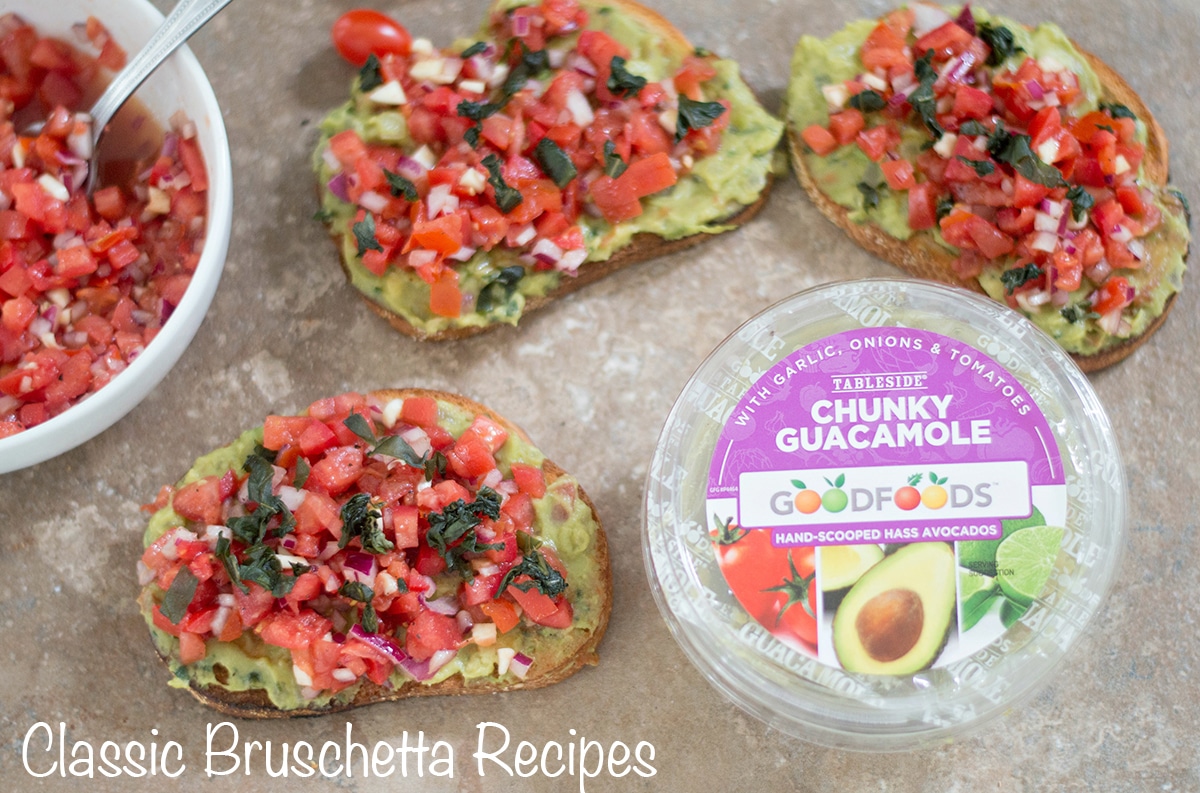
(883, 494)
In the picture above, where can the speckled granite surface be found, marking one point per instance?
(591, 379)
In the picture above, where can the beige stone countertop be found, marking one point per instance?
(591, 379)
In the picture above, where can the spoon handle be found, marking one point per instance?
(187, 17)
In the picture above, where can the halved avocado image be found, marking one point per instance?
(842, 566)
(895, 620)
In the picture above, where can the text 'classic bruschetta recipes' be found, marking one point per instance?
(969, 149)
(469, 185)
(397, 544)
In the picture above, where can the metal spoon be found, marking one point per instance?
(187, 17)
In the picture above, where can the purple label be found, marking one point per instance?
(884, 435)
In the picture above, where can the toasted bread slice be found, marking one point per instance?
(922, 256)
(748, 173)
(565, 650)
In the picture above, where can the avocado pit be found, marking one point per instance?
(889, 624)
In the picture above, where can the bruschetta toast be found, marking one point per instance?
(468, 186)
(975, 151)
(396, 544)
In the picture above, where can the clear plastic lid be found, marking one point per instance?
(882, 512)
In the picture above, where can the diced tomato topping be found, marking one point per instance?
(431, 632)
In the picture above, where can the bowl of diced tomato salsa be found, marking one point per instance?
(100, 294)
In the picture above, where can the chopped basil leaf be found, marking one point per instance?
(527, 543)
(478, 48)
(179, 595)
(390, 445)
(973, 127)
(362, 518)
(476, 111)
(1016, 150)
(452, 531)
(499, 289)
(1075, 313)
(262, 566)
(622, 82)
(302, 471)
(471, 136)
(1081, 201)
(358, 424)
(252, 527)
(226, 558)
(614, 166)
(507, 198)
(555, 162)
(695, 115)
(532, 63)
(945, 206)
(356, 590)
(868, 101)
(542, 576)
(400, 187)
(370, 620)
(981, 167)
(369, 77)
(1187, 207)
(870, 195)
(364, 235)
(922, 99)
(1000, 40)
(1019, 276)
(1117, 110)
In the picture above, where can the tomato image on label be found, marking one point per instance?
(776, 586)
(908, 497)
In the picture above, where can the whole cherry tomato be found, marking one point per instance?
(362, 32)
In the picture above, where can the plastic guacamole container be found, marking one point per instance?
(882, 513)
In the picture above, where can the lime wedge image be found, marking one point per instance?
(969, 583)
(980, 555)
(1024, 560)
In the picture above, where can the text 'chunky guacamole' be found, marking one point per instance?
(995, 142)
(460, 183)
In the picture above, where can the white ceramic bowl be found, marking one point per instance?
(178, 84)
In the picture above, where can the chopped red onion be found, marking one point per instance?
(337, 186)
(1045, 222)
(520, 665)
(385, 644)
(1111, 322)
(582, 65)
(570, 261)
(927, 17)
(421, 258)
(441, 200)
(1044, 241)
(1138, 249)
(372, 201)
(520, 26)
(1035, 90)
(546, 251)
(465, 620)
(447, 605)
(410, 169)
(1099, 271)
(1121, 234)
(579, 108)
(463, 254)
(966, 20)
(360, 567)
